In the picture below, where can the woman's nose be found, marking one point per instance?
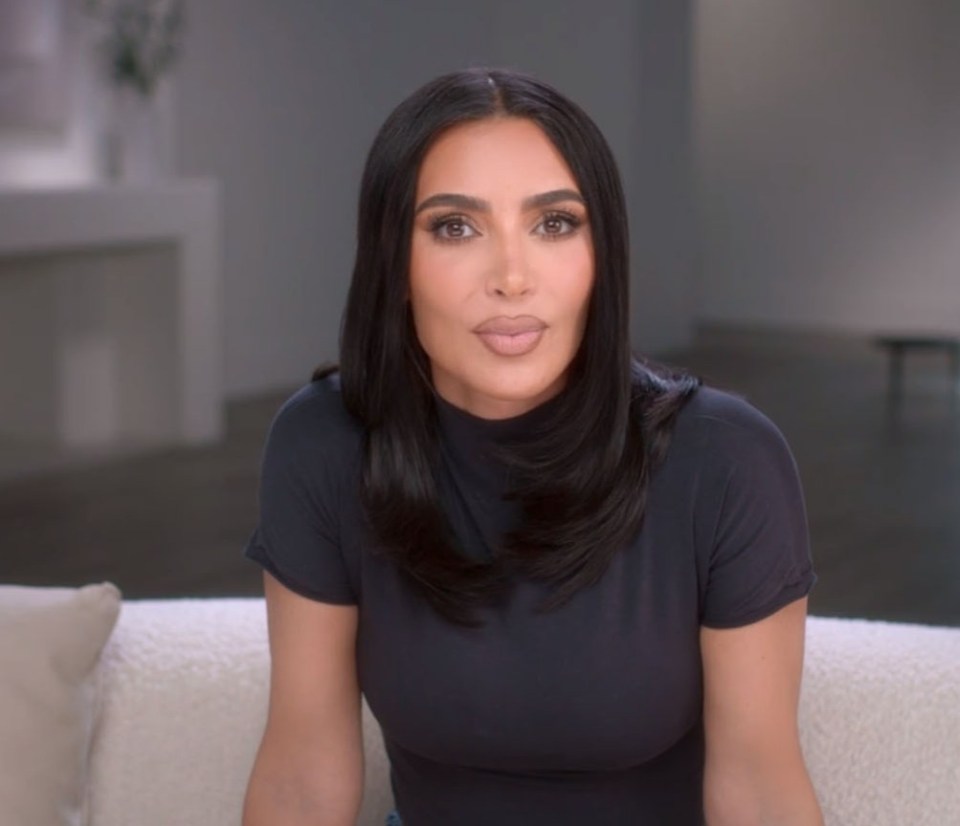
(510, 273)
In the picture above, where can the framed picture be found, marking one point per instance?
(32, 75)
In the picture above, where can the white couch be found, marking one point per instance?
(184, 695)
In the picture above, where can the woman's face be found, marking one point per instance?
(501, 266)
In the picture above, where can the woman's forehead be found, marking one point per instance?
(495, 158)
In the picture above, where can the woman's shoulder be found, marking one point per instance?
(728, 429)
(715, 408)
(697, 409)
(315, 418)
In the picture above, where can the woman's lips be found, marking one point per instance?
(518, 344)
(511, 336)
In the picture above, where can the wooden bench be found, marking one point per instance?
(898, 345)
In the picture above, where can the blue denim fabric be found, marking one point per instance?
(393, 819)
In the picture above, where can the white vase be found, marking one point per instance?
(136, 146)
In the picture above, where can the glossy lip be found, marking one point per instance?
(506, 326)
(506, 336)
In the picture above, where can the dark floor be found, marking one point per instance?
(882, 483)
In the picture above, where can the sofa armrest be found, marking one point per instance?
(184, 693)
(880, 722)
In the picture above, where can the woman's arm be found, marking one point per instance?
(755, 774)
(309, 768)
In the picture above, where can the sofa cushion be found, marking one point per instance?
(879, 721)
(50, 644)
(186, 689)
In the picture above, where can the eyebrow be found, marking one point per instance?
(479, 205)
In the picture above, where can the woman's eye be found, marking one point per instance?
(452, 229)
(558, 225)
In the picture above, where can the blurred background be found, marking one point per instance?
(178, 188)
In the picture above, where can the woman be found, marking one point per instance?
(572, 587)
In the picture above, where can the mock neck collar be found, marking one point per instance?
(463, 427)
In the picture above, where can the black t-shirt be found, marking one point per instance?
(589, 714)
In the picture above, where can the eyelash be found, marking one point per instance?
(436, 224)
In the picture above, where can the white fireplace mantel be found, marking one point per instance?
(110, 313)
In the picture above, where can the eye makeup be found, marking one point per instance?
(573, 221)
(438, 223)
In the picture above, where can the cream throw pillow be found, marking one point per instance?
(50, 644)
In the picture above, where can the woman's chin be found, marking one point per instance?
(505, 399)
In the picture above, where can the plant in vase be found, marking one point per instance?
(138, 42)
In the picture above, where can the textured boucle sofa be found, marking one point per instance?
(183, 695)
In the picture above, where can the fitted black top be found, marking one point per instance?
(588, 714)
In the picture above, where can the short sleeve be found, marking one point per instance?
(297, 536)
(759, 558)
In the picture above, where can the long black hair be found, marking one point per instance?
(582, 482)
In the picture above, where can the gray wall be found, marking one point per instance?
(661, 191)
(828, 135)
(281, 102)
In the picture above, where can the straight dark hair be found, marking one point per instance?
(582, 481)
